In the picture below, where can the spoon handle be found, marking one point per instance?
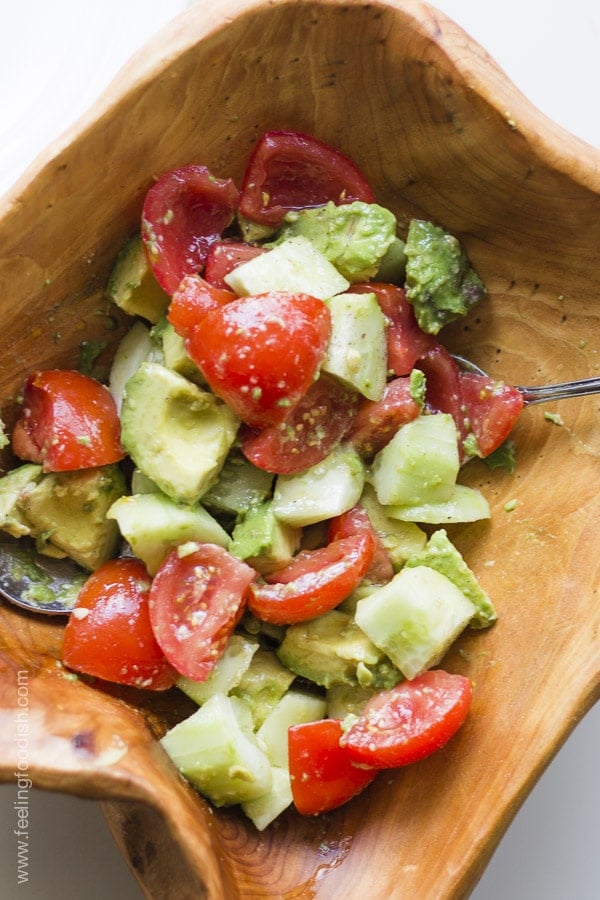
(560, 391)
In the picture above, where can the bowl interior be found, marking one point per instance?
(440, 134)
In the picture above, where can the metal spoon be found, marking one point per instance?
(36, 582)
(542, 393)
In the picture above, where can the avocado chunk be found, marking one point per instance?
(440, 554)
(132, 285)
(354, 237)
(263, 541)
(177, 357)
(154, 525)
(263, 684)
(69, 509)
(332, 649)
(357, 323)
(177, 434)
(415, 617)
(12, 485)
(441, 285)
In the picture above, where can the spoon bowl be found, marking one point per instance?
(441, 134)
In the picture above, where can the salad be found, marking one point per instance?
(278, 451)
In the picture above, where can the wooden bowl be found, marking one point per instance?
(441, 134)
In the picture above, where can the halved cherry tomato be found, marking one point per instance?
(312, 429)
(185, 212)
(443, 390)
(313, 583)
(377, 421)
(108, 634)
(410, 721)
(67, 421)
(196, 600)
(225, 256)
(290, 170)
(322, 774)
(192, 301)
(261, 354)
(492, 408)
(406, 343)
(357, 521)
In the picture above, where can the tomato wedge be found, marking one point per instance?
(192, 301)
(357, 521)
(322, 774)
(492, 408)
(196, 600)
(410, 721)
(313, 583)
(443, 391)
(377, 421)
(185, 212)
(291, 170)
(67, 421)
(109, 635)
(225, 256)
(313, 428)
(261, 354)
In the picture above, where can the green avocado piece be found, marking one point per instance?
(355, 237)
(440, 554)
(263, 541)
(132, 285)
(12, 485)
(68, 509)
(263, 684)
(441, 285)
(240, 487)
(332, 649)
(177, 434)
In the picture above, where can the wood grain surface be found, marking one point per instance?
(442, 134)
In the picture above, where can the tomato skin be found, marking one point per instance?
(492, 408)
(319, 421)
(377, 421)
(67, 421)
(406, 343)
(313, 583)
(261, 353)
(290, 170)
(184, 213)
(225, 256)
(109, 636)
(322, 774)
(192, 301)
(196, 600)
(410, 721)
(357, 521)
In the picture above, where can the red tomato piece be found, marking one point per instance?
(443, 391)
(67, 421)
(261, 354)
(313, 583)
(225, 256)
(290, 170)
(109, 635)
(185, 212)
(377, 421)
(192, 301)
(406, 343)
(322, 774)
(357, 521)
(312, 429)
(410, 721)
(492, 408)
(196, 601)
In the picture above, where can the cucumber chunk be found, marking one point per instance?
(357, 325)
(414, 618)
(227, 673)
(294, 708)
(265, 809)
(216, 752)
(466, 504)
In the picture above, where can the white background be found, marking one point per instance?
(55, 58)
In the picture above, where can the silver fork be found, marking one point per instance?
(542, 393)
